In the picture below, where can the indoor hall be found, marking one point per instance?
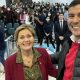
(11, 46)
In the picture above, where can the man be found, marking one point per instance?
(39, 26)
(61, 31)
(69, 57)
(66, 13)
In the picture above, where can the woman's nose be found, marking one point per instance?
(26, 39)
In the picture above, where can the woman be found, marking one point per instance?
(48, 27)
(28, 63)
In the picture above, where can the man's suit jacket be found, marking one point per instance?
(61, 32)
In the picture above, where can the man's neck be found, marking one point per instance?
(75, 38)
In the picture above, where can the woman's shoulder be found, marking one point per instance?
(11, 58)
(42, 51)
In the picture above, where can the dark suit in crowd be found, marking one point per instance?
(60, 32)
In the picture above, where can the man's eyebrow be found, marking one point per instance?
(70, 14)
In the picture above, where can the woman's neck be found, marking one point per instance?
(27, 53)
(27, 57)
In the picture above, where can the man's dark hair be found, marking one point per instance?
(66, 8)
(74, 3)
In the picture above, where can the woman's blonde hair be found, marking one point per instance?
(22, 27)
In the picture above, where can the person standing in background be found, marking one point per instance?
(48, 27)
(61, 31)
(66, 13)
(2, 45)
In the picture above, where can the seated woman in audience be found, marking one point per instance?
(28, 63)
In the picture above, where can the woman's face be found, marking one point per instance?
(25, 40)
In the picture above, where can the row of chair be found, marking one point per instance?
(9, 28)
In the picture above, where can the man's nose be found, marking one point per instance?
(76, 19)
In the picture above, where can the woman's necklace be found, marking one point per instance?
(27, 60)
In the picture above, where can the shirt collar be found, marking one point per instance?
(19, 56)
(75, 39)
(60, 20)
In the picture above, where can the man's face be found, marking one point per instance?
(61, 16)
(74, 20)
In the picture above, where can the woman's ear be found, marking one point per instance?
(17, 44)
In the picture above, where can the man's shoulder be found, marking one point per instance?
(67, 42)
